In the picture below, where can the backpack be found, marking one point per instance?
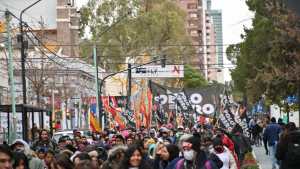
(293, 148)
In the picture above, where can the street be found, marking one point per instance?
(263, 160)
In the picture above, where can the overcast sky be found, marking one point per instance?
(235, 16)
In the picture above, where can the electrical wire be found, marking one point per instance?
(37, 60)
(163, 45)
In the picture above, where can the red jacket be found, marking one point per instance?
(230, 145)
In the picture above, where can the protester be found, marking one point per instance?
(204, 146)
(167, 157)
(6, 157)
(49, 158)
(241, 142)
(44, 142)
(22, 146)
(63, 162)
(133, 159)
(115, 156)
(271, 135)
(224, 154)
(288, 150)
(20, 161)
(193, 157)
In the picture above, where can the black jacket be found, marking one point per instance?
(287, 153)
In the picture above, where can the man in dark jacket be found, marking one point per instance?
(241, 143)
(271, 134)
(288, 149)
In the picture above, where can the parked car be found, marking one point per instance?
(69, 133)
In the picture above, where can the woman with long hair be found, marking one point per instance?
(133, 159)
(20, 161)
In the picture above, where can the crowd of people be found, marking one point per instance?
(281, 141)
(199, 147)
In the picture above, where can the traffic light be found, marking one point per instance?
(2, 27)
(163, 61)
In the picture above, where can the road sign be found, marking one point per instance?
(156, 71)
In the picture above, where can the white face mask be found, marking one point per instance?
(20, 149)
(188, 155)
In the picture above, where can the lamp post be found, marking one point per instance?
(23, 60)
(101, 115)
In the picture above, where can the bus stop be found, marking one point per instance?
(23, 118)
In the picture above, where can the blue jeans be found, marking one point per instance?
(272, 150)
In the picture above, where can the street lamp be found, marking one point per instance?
(23, 60)
(163, 63)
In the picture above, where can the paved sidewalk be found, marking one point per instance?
(263, 160)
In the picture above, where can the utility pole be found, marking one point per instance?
(11, 79)
(129, 87)
(23, 60)
(98, 94)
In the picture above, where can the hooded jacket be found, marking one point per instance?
(34, 163)
(113, 162)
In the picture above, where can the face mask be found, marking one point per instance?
(20, 149)
(188, 155)
(219, 149)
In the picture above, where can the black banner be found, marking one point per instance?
(203, 101)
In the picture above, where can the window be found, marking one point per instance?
(208, 59)
(193, 15)
(192, 6)
(191, 24)
(194, 33)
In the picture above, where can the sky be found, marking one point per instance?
(235, 16)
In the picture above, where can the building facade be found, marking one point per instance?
(211, 55)
(53, 70)
(194, 27)
(217, 23)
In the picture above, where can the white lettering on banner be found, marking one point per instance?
(243, 124)
(181, 98)
(197, 108)
(196, 98)
(208, 109)
(162, 99)
(225, 122)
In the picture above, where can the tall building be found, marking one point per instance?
(211, 70)
(213, 44)
(217, 22)
(194, 27)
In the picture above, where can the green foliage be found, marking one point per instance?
(268, 58)
(136, 27)
(192, 78)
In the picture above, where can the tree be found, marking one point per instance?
(268, 58)
(150, 26)
(192, 78)
(39, 69)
